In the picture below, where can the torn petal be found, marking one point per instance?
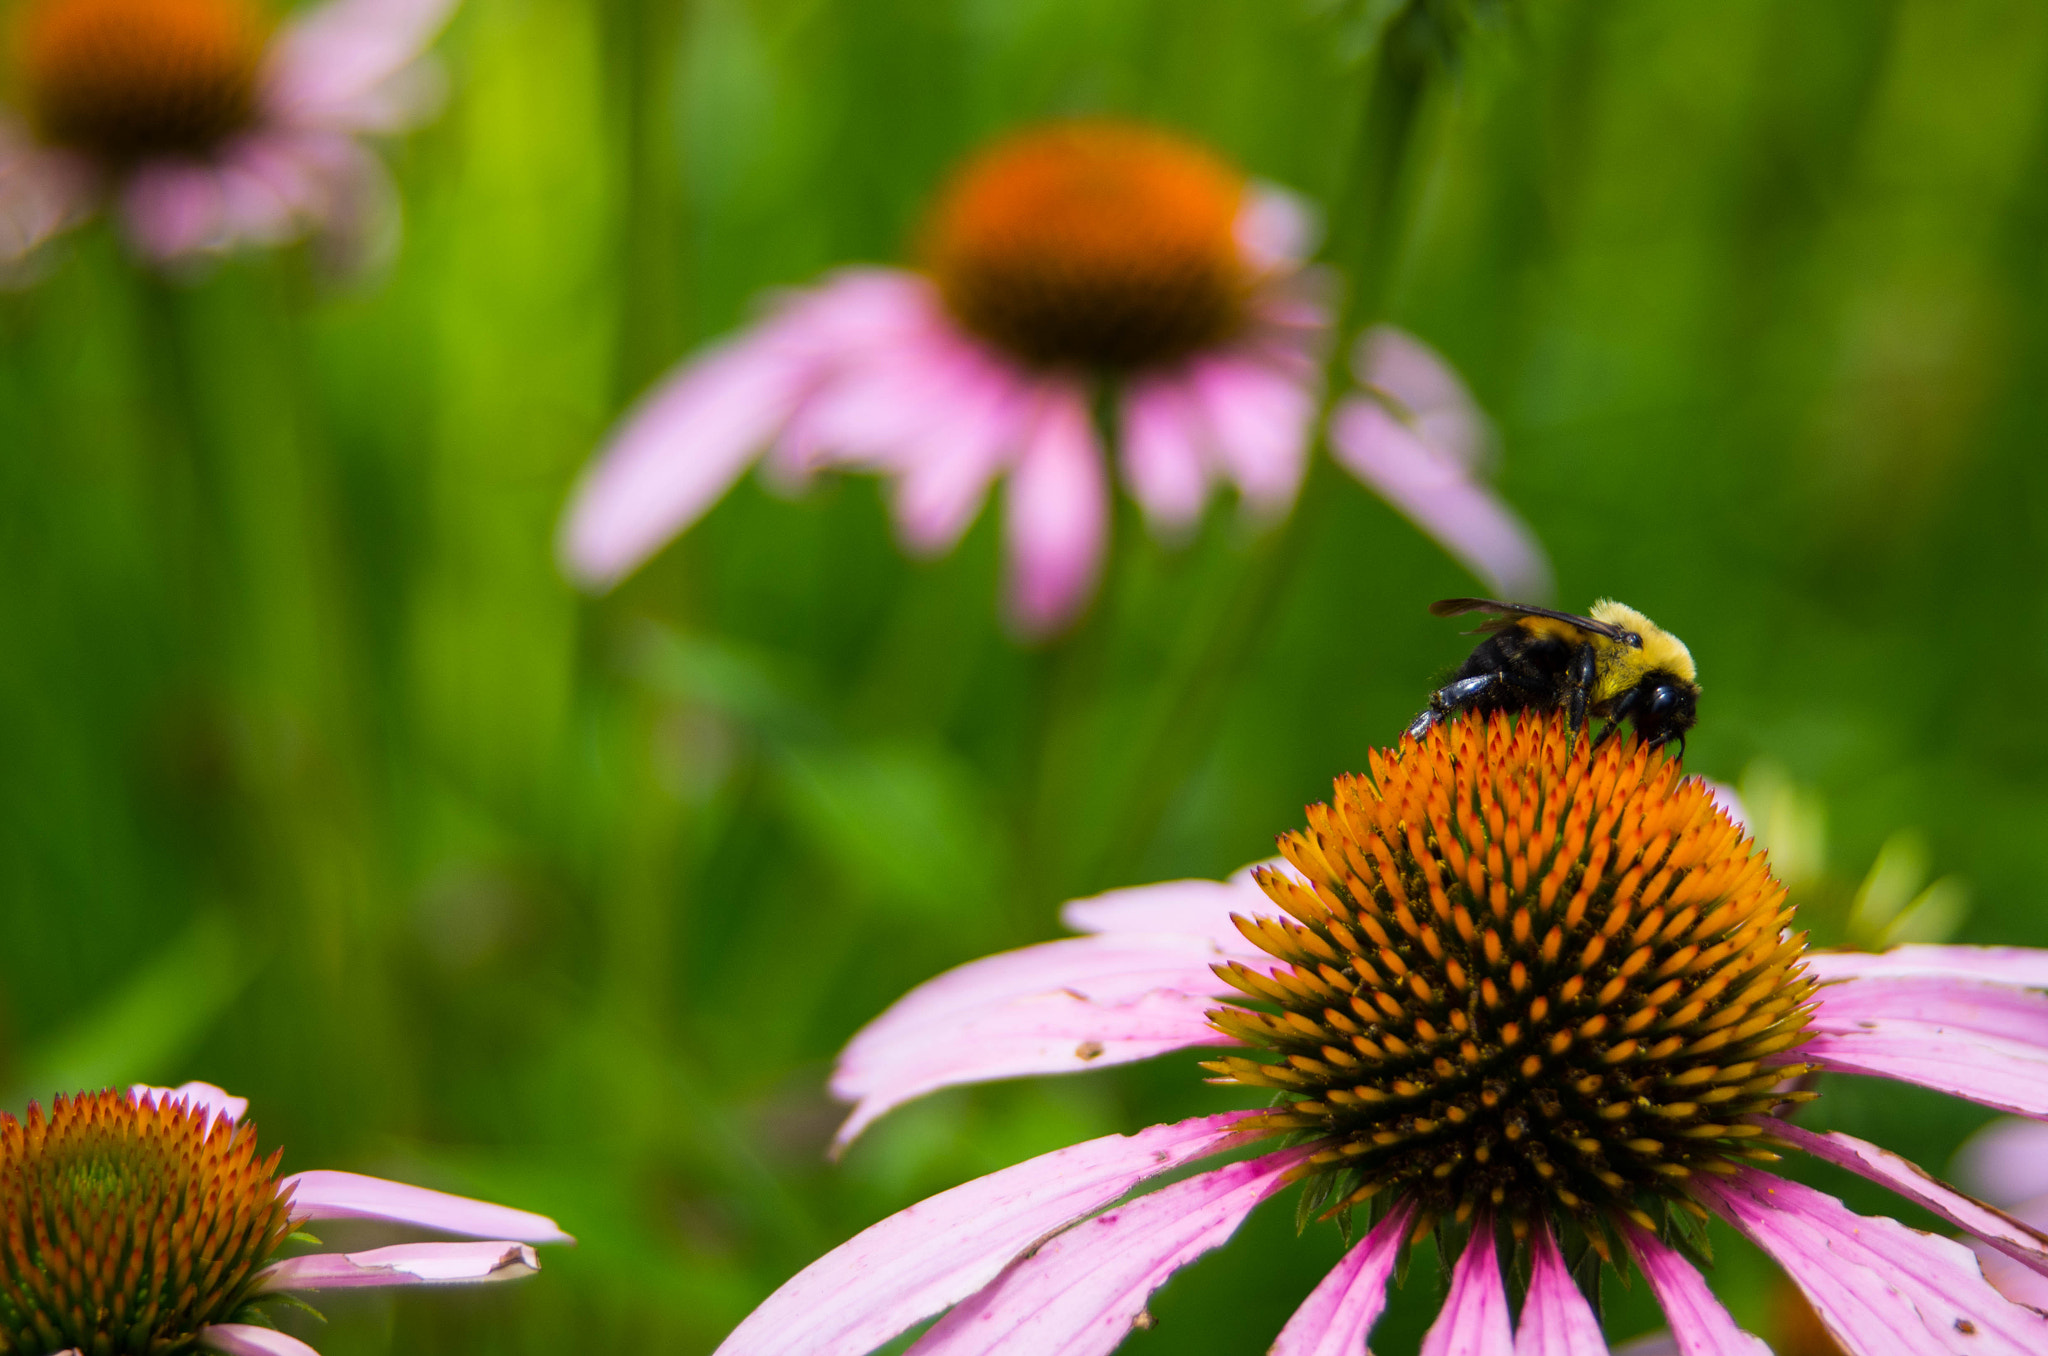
(402, 1264)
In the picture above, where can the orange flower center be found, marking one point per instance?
(1530, 976)
(129, 1227)
(122, 80)
(1093, 244)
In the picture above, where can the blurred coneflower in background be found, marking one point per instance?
(1075, 268)
(206, 128)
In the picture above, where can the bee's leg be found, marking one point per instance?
(1579, 683)
(1452, 697)
(1618, 715)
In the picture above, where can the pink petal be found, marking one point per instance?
(1474, 1321)
(325, 1194)
(2006, 1162)
(402, 1264)
(1056, 515)
(175, 210)
(1109, 990)
(42, 192)
(1437, 493)
(1080, 1293)
(678, 452)
(198, 1096)
(1428, 391)
(2024, 965)
(1880, 1288)
(963, 444)
(1052, 1033)
(943, 1249)
(1339, 1313)
(2006, 1074)
(1556, 1320)
(1997, 1229)
(2005, 1010)
(1199, 908)
(1258, 418)
(1161, 452)
(349, 63)
(1276, 230)
(247, 1339)
(1700, 1326)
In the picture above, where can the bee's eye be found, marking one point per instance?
(1663, 699)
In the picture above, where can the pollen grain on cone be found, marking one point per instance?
(129, 1225)
(1094, 244)
(121, 80)
(1531, 977)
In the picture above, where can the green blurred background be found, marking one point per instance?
(317, 782)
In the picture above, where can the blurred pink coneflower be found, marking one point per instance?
(145, 1222)
(1065, 261)
(204, 127)
(1535, 998)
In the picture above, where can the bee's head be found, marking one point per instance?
(1665, 707)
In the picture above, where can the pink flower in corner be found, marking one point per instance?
(203, 129)
(1069, 260)
(156, 1225)
(1533, 996)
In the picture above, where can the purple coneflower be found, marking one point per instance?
(1531, 996)
(145, 1222)
(205, 128)
(1064, 261)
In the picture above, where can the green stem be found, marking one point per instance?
(1365, 238)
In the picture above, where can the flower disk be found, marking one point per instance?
(1531, 977)
(121, 80)
(1093, 244)
(129, 1225)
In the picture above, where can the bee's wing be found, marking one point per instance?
(1504, 615)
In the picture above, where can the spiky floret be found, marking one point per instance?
(130, 1225)
(124, 79)
(1529, 977)
(1092, 243)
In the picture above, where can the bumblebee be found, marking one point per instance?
(1616, 664)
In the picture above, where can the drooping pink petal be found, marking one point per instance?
(1162, 450)
(2011, 1075)
(945, 1248)
(949, 464)
(1700, 1326)
(1056, 514)
(1997, 1229)
(1556, 1320)
(1198, 908)
(1880, 1288)
(1258, 419)
(1082, 1291)
(350, 64)
(2023, 965)
(1474, 1321)
(199, 1096)
(175, 210)
(1440, 496)
(1339, 1313)
(247, 1339)
(678, 452)
(1427, 393)
(402, 1264)
(2006, 1162)
(1048, 1033)
(1277, 230)
(1097, 986)
(42, 192)
(325, 1194)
